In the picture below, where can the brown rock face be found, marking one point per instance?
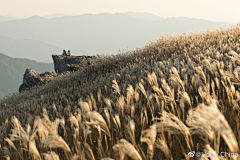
(63, 63)
(32, 78)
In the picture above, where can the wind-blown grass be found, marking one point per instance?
(173, 96)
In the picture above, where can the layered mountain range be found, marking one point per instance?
(37, 38)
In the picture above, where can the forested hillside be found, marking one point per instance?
(12, 70)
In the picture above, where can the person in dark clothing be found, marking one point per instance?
(64, 53)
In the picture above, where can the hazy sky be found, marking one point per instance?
(214, 10)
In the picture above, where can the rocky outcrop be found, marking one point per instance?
(63, 63)
(32, 78)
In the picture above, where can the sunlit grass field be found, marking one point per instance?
(176, 95)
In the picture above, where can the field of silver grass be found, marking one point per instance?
(174, 96)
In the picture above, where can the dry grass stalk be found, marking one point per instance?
(107, 158)
(131, 127)
(53, 140)
(161, 144)
(148, 136)
(116, 87)
(200, 71)
(210, 153)
(166, 88)
(97, 119)
(84, 106)
(184, 98)
(51, 156)
(28, 140)
(89, 151)
(235, 57)
(117, 121)
(141, 87)
(128, 149)
(176, 78)
(170, 123)
(86, 131)
(211, 116)
(10, 143)
(121, 104)
(199, 125)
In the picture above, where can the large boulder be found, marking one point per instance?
(63, 63)
(32, 78)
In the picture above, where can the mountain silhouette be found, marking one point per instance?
(100, 33)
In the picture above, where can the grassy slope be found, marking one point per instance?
(134, 91)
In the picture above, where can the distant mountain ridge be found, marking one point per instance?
(32, 49)
(140, 15)
(12, 70)
(144, 16)
(4, 18)
(100, 33)
(58, 15)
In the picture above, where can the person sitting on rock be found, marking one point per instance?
(68, 53)
(64, 53)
